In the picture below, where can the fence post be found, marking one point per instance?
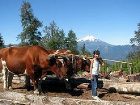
(130, 69)
(121, 65)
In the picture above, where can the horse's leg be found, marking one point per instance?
(39, 85)
(37, 78)
(35, 73)
(67, 84)
(27, 83)
(34, 81)
(9, 79)
(35, 84)
(4, 71)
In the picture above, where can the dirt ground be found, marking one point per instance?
(57, 88)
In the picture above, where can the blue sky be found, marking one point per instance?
(112, 21)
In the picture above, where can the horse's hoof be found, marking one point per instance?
(36, 92)
(10, 88)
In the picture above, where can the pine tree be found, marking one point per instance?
(30, 34)
(1, 41)
(54, 37)
(83, 49)
(71, 42)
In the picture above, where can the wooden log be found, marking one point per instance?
(125, 87)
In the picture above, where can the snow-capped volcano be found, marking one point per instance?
(107, 50)
(87, 38)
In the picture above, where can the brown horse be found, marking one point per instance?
(34, 61)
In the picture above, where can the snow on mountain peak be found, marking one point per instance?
(87, 38)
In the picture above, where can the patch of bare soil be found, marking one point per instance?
(57, 89)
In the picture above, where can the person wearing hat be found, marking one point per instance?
(94, 72)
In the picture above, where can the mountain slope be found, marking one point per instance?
(108, 51)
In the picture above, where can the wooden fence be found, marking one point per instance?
(118, 65)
